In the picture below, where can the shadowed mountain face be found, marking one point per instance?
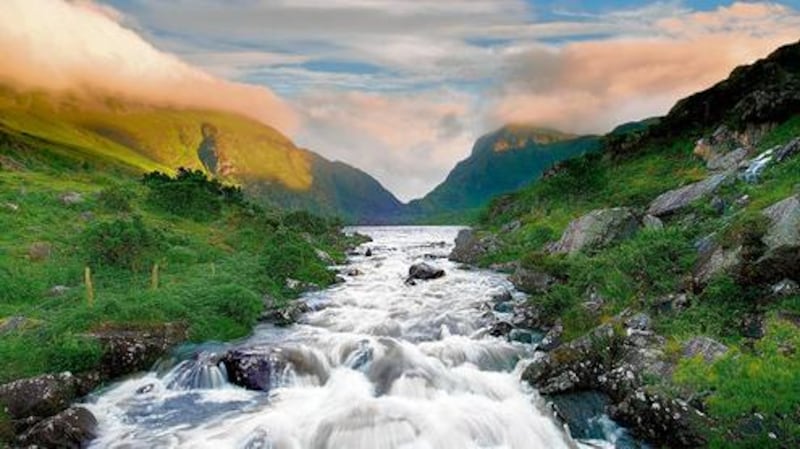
(231, 147)
(501, 162)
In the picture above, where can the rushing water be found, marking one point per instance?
(394, 366)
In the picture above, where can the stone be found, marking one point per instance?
(12, 324)
(501, 329)
(552, 338)
(652, 222)
(40, 251)
(282, 314)
(669, 422)
(352, 272)
(784, 228)
(674, 200)
(532, 281)
(787, 151)
(503, 296)
(727, 161)
(71, 429)
(262, 368)
(424, 271)
(131, 350)
(521, 336)
(597, 229)
(504, 307)
(58, 290)
(324, 256)
(470, 248)
(70, 198)
(785, 288)
(714, 259)
(706, 348)
(42, 396)
(718, 205)
(639, 322)
(670, 303)
(368, 252)
(511, 226)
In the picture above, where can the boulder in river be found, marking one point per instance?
(597, 229)
(424, 271)
(71, 429)
(263, 368)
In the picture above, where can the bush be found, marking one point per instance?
(304, 221)
(128, 244)
(116, 199)
(190, 194)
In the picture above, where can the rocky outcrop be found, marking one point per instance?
(706, 348)
(614, 359)
(781, 260)
(43, 396)
(674, 200)
(470, 248)
(597, 229)
(71, 429)
(424, 272)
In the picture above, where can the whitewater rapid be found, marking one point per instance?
(394, 366)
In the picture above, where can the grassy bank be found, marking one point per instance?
(182, 249)
(757, 376)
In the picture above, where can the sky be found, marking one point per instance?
(398, 88)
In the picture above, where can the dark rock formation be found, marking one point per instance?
(597, 229)
(262, 368)
(470, 248)
(129, 350)
(532, 281)
(71, 429)
(424, 272)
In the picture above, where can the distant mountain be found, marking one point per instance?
(501, 162)
(234, 148)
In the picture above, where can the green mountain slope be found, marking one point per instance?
(662, 243)
(501, 162)
(231, 147)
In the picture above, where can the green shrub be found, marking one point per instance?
(116, 199)
(190, 194)
(304, 221)
(122, 243)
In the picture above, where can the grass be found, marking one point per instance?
(213, 271)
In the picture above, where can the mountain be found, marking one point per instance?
(673, 256)
(501, 162)
(231, 147)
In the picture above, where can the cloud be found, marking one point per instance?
(408, 142)
(83, 45)
(590, 86)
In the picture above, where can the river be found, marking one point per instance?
(394, 366)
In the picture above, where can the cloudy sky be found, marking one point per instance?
(399, 88)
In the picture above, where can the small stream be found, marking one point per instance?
(378, 364)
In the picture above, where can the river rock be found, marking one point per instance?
(501, 329)
(470, 248)
(71, 429)
(670, 422)
(262, 368)
(424, 271)
(130, 350)
(552, 339)
(281, 313)
(597, 229)
(672, 201)
(44, 395)
(532, 281)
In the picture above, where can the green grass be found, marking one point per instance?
(213, 271)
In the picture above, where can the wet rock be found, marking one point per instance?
(531, 281)
(521, 336)
(501, 329)
(526, 316)
(504, 296)
(352, 272)
(552, 338)
(674, 200)
(424, 271)
(130, 350)
(281, 313)
(40, 251)
(72, 428)
(470, 248)
(667, 421)
(43, 396)
(504, 307)
(71, 198)
(265, 367)
(324, 256)
(652, 222)
(597, 229)
(368, 252)
(705, 347)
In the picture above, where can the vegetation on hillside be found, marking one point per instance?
(160, 248)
